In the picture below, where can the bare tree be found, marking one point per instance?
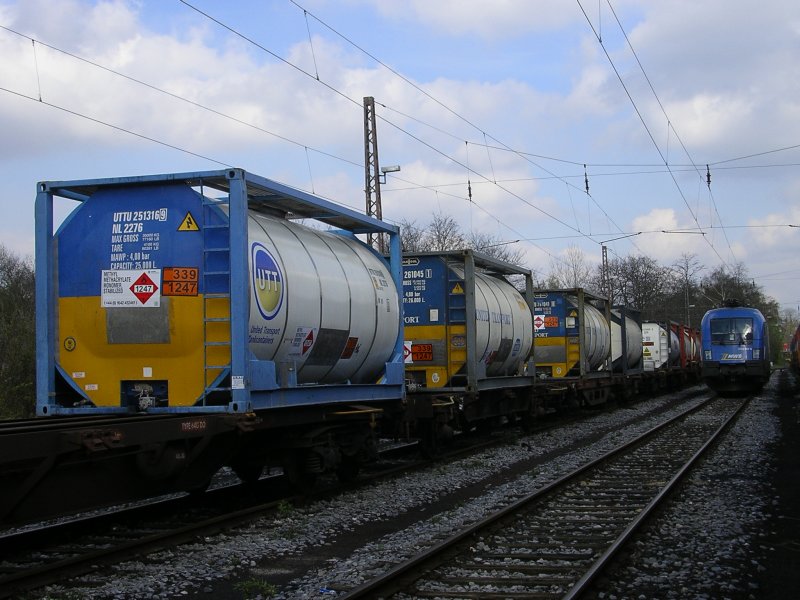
(443, 233)
(637, 281)
(17, 336)
(412, 236)
(572, 271)
(686, 269)
(722, 285)
(495, 247)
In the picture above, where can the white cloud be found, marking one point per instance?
(500, 18)
(772, 231)
(666, 247)
(708, 120)
(725, 73)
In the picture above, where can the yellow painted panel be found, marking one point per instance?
(573, 354)
(456, 355)
(559, 369)
(424, 332)
(97, 367)
(435, 376)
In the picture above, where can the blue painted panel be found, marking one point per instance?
(130, 228)
(736, 350)
(424, 290)
(550, 312)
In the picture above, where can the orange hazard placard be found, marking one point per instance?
(421, 352)
(551, 322)
(179, 281)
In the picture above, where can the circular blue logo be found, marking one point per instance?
(267, 281)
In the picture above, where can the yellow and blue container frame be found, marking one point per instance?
(254, 384)
(454, 365)
(560, 333)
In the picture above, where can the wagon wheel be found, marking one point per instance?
(296, 471)
(249, 471)
(348, 469)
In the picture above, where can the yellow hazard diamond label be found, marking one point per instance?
(457, 289)
(188, 223)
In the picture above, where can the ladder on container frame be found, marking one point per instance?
(216, 279)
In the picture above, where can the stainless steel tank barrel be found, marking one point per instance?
(322, 302)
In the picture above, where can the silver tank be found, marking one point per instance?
(596, 333)
(674, 348)
(690, 346)
(320, 301)
(504, 331)
(633, 340)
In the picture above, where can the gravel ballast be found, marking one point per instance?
(318, 550)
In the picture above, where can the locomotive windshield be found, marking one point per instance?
(732, 331)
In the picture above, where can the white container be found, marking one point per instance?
(661, 347)
(321, 302)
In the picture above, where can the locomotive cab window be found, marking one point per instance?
(732, 331)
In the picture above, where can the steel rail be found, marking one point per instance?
(601, 563)
(370, 589)
(87, 562)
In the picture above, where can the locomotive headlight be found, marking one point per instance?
(708, 354)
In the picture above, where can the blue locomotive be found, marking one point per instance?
(735, 356)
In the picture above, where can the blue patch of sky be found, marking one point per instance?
(273, 25)
(420, 53)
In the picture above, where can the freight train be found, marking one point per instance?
(209, 327)
(735, 349)
(794, 351)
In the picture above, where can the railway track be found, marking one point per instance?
(37, 556)
(554, 542)
(53, 553)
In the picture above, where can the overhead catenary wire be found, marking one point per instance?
(440, 103)
(669, 124)
(342, 94)
(306, 149)
(646, 128)
(306, 13)
(757, 154)
(581, 176)
(390, 123)
(116, 127)
(674, 166)
(175, 96)
(178, 97)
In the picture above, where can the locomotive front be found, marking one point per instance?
(735, 344)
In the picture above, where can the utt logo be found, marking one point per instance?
(267, 281)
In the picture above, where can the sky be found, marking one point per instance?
(523, 102)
